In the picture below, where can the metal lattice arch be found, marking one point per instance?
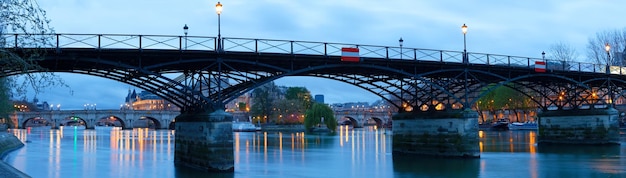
(200, 77)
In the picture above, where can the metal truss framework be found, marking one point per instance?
(200, 77)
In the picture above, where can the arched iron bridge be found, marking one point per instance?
(193, 74)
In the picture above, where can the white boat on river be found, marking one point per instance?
(245, 127)
(523, 126)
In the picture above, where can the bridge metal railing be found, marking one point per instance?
(170, 42)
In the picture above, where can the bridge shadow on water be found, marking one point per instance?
(418, 166)
(185, 172)
(587, 150)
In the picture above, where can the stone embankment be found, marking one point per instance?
(8, 143)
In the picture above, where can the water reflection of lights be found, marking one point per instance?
(481, 135)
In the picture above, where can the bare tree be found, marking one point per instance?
(596, 47)
(562, 52)
(21, 52)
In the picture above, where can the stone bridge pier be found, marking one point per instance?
(582, 126)
(204, 140)
(449, 133)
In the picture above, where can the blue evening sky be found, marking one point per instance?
(519, 28)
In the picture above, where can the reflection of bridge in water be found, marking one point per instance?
(127, 119)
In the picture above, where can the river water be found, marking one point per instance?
(73, 152)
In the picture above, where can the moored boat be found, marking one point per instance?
(501, 124)
(523, 126)
(245, 127)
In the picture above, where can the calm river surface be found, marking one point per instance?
(365, 152)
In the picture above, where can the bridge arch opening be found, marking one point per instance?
(35, 122)
(73, 121)
(172, 125)
(147, 122)
(347, 120)
(375, 121)
(111, 121)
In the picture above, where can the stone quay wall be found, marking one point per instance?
(8, 143)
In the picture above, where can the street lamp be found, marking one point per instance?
(401, 41)
(185, 29)
(464, 29)
(218, 9)
(607, 47)
(543, 55)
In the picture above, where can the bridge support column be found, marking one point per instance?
(205, 141)
(436, 133)
(594, 126)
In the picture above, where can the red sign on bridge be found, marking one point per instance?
(540, 66)
(350, 54)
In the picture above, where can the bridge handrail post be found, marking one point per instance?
(291, 43)
(387, 52)
(140, 42)
(508, 58)
(414, 54)
(15, 40)
(180, 43)
(99, 43)
(488, 62)
(440, 56)
(256, 46)
(325, 49)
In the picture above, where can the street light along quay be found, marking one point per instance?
(464, 29)
(218, 9)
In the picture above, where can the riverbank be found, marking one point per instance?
(282, 128)
(8, 143)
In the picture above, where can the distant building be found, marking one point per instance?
(146, 101)
(319, 99)
(242, 103)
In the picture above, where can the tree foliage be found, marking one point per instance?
(300, 94)
(503, 98)
(313, 117)
(6, 106)
(271, 105)
(262, 101)
(26, 18)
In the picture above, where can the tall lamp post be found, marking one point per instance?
(607, 47)
(401, 41)
(218, 10)
(464, 29)
(185, 30)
